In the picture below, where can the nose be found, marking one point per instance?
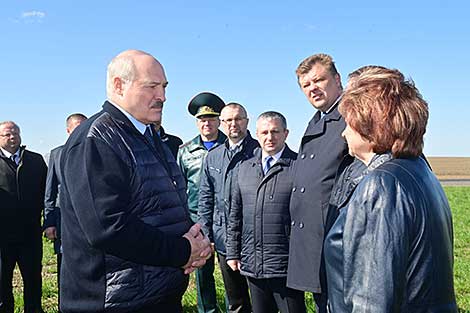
(159, 94)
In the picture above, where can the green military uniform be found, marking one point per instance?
(190, 158)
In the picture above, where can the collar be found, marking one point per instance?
(332, 107)
(8, 154)
(275, 157)
(137, 124)
(236, 145)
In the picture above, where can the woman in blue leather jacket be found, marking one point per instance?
(391, 247)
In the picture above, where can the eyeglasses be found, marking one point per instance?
(236, 120)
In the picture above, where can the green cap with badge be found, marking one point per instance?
(205, 104)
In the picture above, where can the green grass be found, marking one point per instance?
(459, 199)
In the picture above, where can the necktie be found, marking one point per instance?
(268, 164)
(149, 135)
(13, 159)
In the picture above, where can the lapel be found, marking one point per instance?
(317, 125)
(10, 162)
(240, 155)
(284, 161)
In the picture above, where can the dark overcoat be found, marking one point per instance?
(321, 151)
(21, 196)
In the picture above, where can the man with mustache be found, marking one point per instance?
(321, 151)
(128, 241)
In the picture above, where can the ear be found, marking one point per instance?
(286, 132)
(338, 80)
(118, 85)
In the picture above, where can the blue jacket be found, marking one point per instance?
(215, 189)
(124, 211)
(259, 222)
(391, 247)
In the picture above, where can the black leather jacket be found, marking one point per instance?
(391, 247)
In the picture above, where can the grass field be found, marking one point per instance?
(459, 199)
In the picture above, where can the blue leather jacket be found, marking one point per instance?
(391, 247)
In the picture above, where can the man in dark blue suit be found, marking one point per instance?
(51, 201)
(321, 151)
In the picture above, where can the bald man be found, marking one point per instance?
(128, 241)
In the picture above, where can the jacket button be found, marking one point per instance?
(302, 156)
(174, 182)
(312, 156)
(301, 225)
(271, 197)
(302, 190)
(294, 189)
(292, 223)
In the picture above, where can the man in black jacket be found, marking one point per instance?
(215, 195)
(259, 221)
(321, 151)
(127, 237)
(22, 183)
(51, 223)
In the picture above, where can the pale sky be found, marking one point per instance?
(54, 55)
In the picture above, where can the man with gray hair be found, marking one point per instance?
(51, 222)
(259, 221)
(22, 182)
(128, 241)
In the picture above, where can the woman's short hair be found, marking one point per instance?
(388, 110)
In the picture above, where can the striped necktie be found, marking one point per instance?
(13, 159)
(268, 164)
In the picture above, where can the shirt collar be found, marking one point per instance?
(235, 145)
(8, 154)
(331, 107)
(275, 157)
(137, 124)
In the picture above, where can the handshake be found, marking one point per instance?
(201, 249)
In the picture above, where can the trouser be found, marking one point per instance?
(206, 294)
(271, 295)
(59, 264)
(321, 300)
(28, 256)
(236, 288)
